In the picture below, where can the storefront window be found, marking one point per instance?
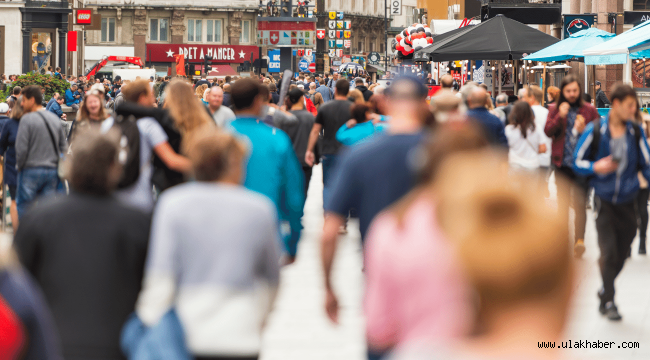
(41, 51)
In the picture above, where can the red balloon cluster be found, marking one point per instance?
(413, 38)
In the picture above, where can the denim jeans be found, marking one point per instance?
(33, 183)
(329, 163)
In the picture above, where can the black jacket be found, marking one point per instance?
(201, 82)
(366, 93)
(601, 99)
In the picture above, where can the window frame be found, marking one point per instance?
(241, 36)
(108, 26)
(158, 19)
(199, 28)
(214, 28)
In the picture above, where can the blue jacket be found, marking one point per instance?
(56, 108)
(358, 133)
(325, 92)
(52, 100)
(493, 127)
(71, 98)
(8, 136)
(274, 170)
(615, 188)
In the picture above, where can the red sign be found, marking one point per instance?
(274, 37)
(72, 41)
(286, 25)
(320, 34)
(84, 17)
(195, 53)
(312, 67)
(347, 43)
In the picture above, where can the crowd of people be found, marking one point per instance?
(157, 225)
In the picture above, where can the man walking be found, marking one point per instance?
(39, 143)
(331, 84)
(359, 85)
(564, 124)
(601, 99)
(615, 150)
(492, 126)
(222, 115)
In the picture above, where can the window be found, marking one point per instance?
(245, 36)
(108, 29)
(214, 30)
(194, 30)
(360, 47)
(158, 29)
(381, 47)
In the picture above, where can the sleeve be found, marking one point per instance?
(581, 165)
(320, 118)
(294, 198)
(644, 159)
(345, 135)
(159, 283)
(503, 140)
(342, 195)
(553, 123)
(26, 243)
(269, 259)
(4, 138)
(58, 110)
(22, 144)
(155, 134)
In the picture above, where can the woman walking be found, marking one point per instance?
(525, 143)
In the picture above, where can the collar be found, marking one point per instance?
(246, 118)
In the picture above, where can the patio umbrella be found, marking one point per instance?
(633, 43)
(571, 48)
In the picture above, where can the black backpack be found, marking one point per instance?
(129, 155)
(595, 143)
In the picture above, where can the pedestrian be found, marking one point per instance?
(299, 130)
(49, 71)
(152, 141)
(222, 115)
(273, 168)
(534, 97)
(40, 141)
(331, 116)
(552, 94)
(200, 90)
(331, 84)
(324, 91)
(220, 275)
(15, 93)
(524, 139)
(642, 120)
(53, 99)
(601, 99)
(91, 114)
(57, 73)
(502, 104)
(615, 155)
(55, 106)
(566, 121)
(72, 97)
(275, 97)
(361, 86)
(371, 176)
(227, 98)
(360, 127)
(8, 134)
(494, 129)
(87, 251)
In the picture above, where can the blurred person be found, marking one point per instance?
(221, 274)
(372, 86)
(587, 98)
(299, 130)
(317, 101)
(152, 141)
(274, 115)
(73, 97)
(203, 81)
(11, 100)
(273, 168)
(534, 97)
(642, 119)
(331, 83)
(204, 99)
(552, 94)
(227, 98)
(485, 211)
(502, 104)
(565, 122)
(87, 251)
(53, 99)
(524, 140)
(92, 113)
(428, 299)
(360, 127)
(8, 134)
(355, 96)
(40, 141)
(274, 93)
(200, 90)
(615, 155)
(325, 92)
(601, 99)
(361, 86)
(494, 129)
(522, 94)
(371, 176)
(222, 115)
(446, 107)
(331, 116)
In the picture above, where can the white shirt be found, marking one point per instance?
(223, 116)
(541, 114)
(523, 151)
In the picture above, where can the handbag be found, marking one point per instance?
(61, 168)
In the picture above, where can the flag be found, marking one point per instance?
(331, 43)
(339, 24)
(339, 34)
(347, 24)
(180, 64)
(332, 34)
(332, 24)
(340, 15)
(339, 53)
(339, 43)
(347, 43)
(332, 15)
(347, 34)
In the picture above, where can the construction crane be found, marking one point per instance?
(101, 63)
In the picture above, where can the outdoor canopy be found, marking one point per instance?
(632, 42)
(499, 38)
(572, 47)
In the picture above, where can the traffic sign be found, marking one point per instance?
(373, 58)
(312, 67)
(303, 65)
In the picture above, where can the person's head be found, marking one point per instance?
(485, 210)
(17, 90)
(139, 92)
(228, 78)
(186, 110)
(335, 76)
(58, 69)
(94, 165)
(446, 107)
(226, 88)
(342, 88)
(200, 90)
(502, 100)
(360, 112)
(624, 102)
(356, 96)
(598, 85)
(522, 117)
(534, 95)
(521, 94)
(295, 98)
(216, 156)
(215, 98)
(117, 80)
(4, 109)
(92, 107)
(74, 87)
(273, 88)
(447, 82)
(477, 98)
(246, 96)
(358, 82)
(586, 98)
(406, 96)
(49, 68)
(570, 91)
(32, 98)
(553, 92)
(17, 111)
(58, 98)
(312, 86)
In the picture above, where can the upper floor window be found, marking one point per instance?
(108, 29)
(158, 29)
(213, 32)
(245, 36)
(640, 5)
(195, 30)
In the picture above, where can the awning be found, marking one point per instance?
(572, 47)
(222, 70)
(439, 27)
(634, 42)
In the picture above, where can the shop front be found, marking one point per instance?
(44, 30)
(162, 55)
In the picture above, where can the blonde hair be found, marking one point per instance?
(187, 111)
(200, 90)
(83, 114)
(357, 96)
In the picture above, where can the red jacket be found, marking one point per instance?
(556, 129)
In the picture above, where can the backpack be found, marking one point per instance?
(129, 155)
(595, 143)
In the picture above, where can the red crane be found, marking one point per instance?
(101, 63)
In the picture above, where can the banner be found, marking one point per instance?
(197, 52)
(180, 64)
(577, 22)
(72, 41)
(274, 61)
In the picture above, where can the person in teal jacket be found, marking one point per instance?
(273, 168)
(360, 128)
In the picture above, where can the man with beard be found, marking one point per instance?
(566, 121)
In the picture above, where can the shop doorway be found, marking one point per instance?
(43, 50)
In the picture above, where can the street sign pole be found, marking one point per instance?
(386, 37)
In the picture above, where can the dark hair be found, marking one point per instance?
(621, 91)
(17, 90)
(92, 161)
(244, 92)
(358, 112)
(358, 81)
(272, 87)
(228, 78)
(33, 92)
(264, 92)
(569, 79)
(586, 97)
(522, 117)
(342, 87)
